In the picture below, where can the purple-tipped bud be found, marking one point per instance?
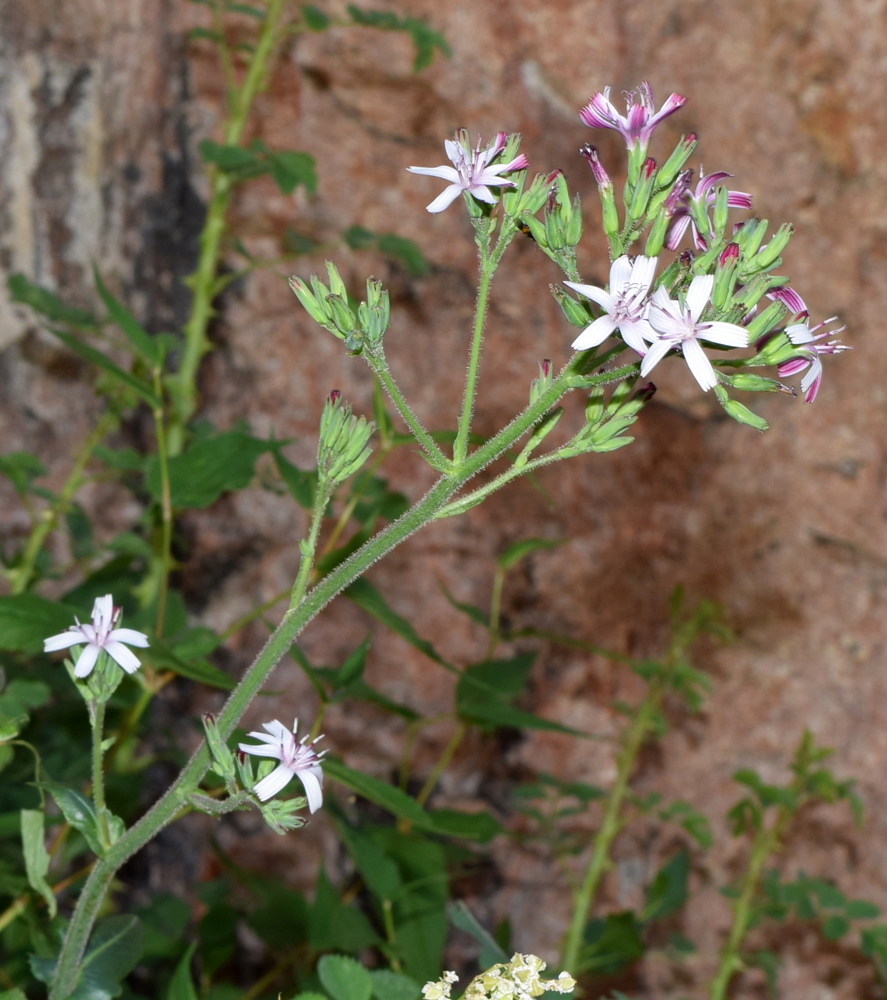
(676, 195)
(729, 255)
(335, 396)
(241, 756)
(686, 258)
(646, 392)
(602, 178)
(647, 168)
(546, 367)
(209, 719)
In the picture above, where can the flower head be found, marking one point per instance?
(471, 170)
(296, 759)
(702, 200)
(676, 325)
(639, 121)
(99, 635)
(625, 304)
(811, 347)
(440, 990)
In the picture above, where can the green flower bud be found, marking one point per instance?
(343, 317)
(223, 759)
(765, 320)
(594, 408)
(537, 230)
(656, 236)
(308, 301)
(641, 195)
(750, 235)
(743, 415)
(611, 213)
(748, 382)
(722, 210)
(337, 286)
(768, 256)
(573, 310)
(674, 164)
(573, 231)
(342, 445)
(540, 384)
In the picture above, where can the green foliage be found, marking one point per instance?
(425, 39)
(389, 245)
(344, 979)
(288, 169)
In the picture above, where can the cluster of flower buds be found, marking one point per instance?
(331, 308)
(343, 441)
(519, 979)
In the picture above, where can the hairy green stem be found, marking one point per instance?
(611, 824)
(309, 546)
(20, 577)
(175, 800)
(98, 777)
(766, 842)
(165, 508)
(183, 385)
(380, 366)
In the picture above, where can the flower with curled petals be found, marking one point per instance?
(625, 304)
(296, 760)
(702, 200)
(636, 126)
(677, 325)
(99, 635)
(811, 346)
(471, 171)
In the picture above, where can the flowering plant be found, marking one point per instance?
(719, 305)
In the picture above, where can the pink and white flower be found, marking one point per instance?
(640, 119)
(703, 199)
(296, 760)
(471, 170)
(677, 325)
(810, 342)
(625, 304)
(99, 635)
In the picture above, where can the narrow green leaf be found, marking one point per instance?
(353, 666)
(181, 986)
(481, 827)
(463, 919)
(499, 714)
(344, 978)
(241, 164)
(90, 354)
(141, 341)
(36, 856)
(406, 251)
(379, 792)
(315, 19)
(289, 169)
(862, 909)
(197, 669)
(365, 596)
(669, 891)
(520, 550)
(43, 301)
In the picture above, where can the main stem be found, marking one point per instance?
(174, 801)
(184, 384)
(610, 825)
(98, 777)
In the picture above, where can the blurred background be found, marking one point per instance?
(102, 107)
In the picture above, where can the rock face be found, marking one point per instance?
(102, 105)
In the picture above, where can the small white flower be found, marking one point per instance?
(471, 171)
(625, 303)
(440, 990)
(677, 326)
(296, 759)
(97, 636)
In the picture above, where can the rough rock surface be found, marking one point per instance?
(102, 105)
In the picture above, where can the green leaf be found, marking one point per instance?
(196, 669)
(335, 926)
(90, 354)
(359, 238)
(218, 936)
(471, 610)
(462, 918)
(353, 666)
(114, 950)
(208, 468)
(298, 243)
(520, 550)
(26, 620)
(389, 985)
(36, 856)
(43, 301)
(302, 485)
(862, 909)
(78, 811)
(140, 340)
(291, 169)
(181, 986)
(243, 8)
(344, 978)
(314, 18)
(241, 164)
(498, 714)
(835, 927)
(406, 251)
(365, 596)
(481, 827)
(494, 680)
(13, 994)
(281, 920)
(21, 468)
(379, 792)
(669, 892)
(612, 943)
